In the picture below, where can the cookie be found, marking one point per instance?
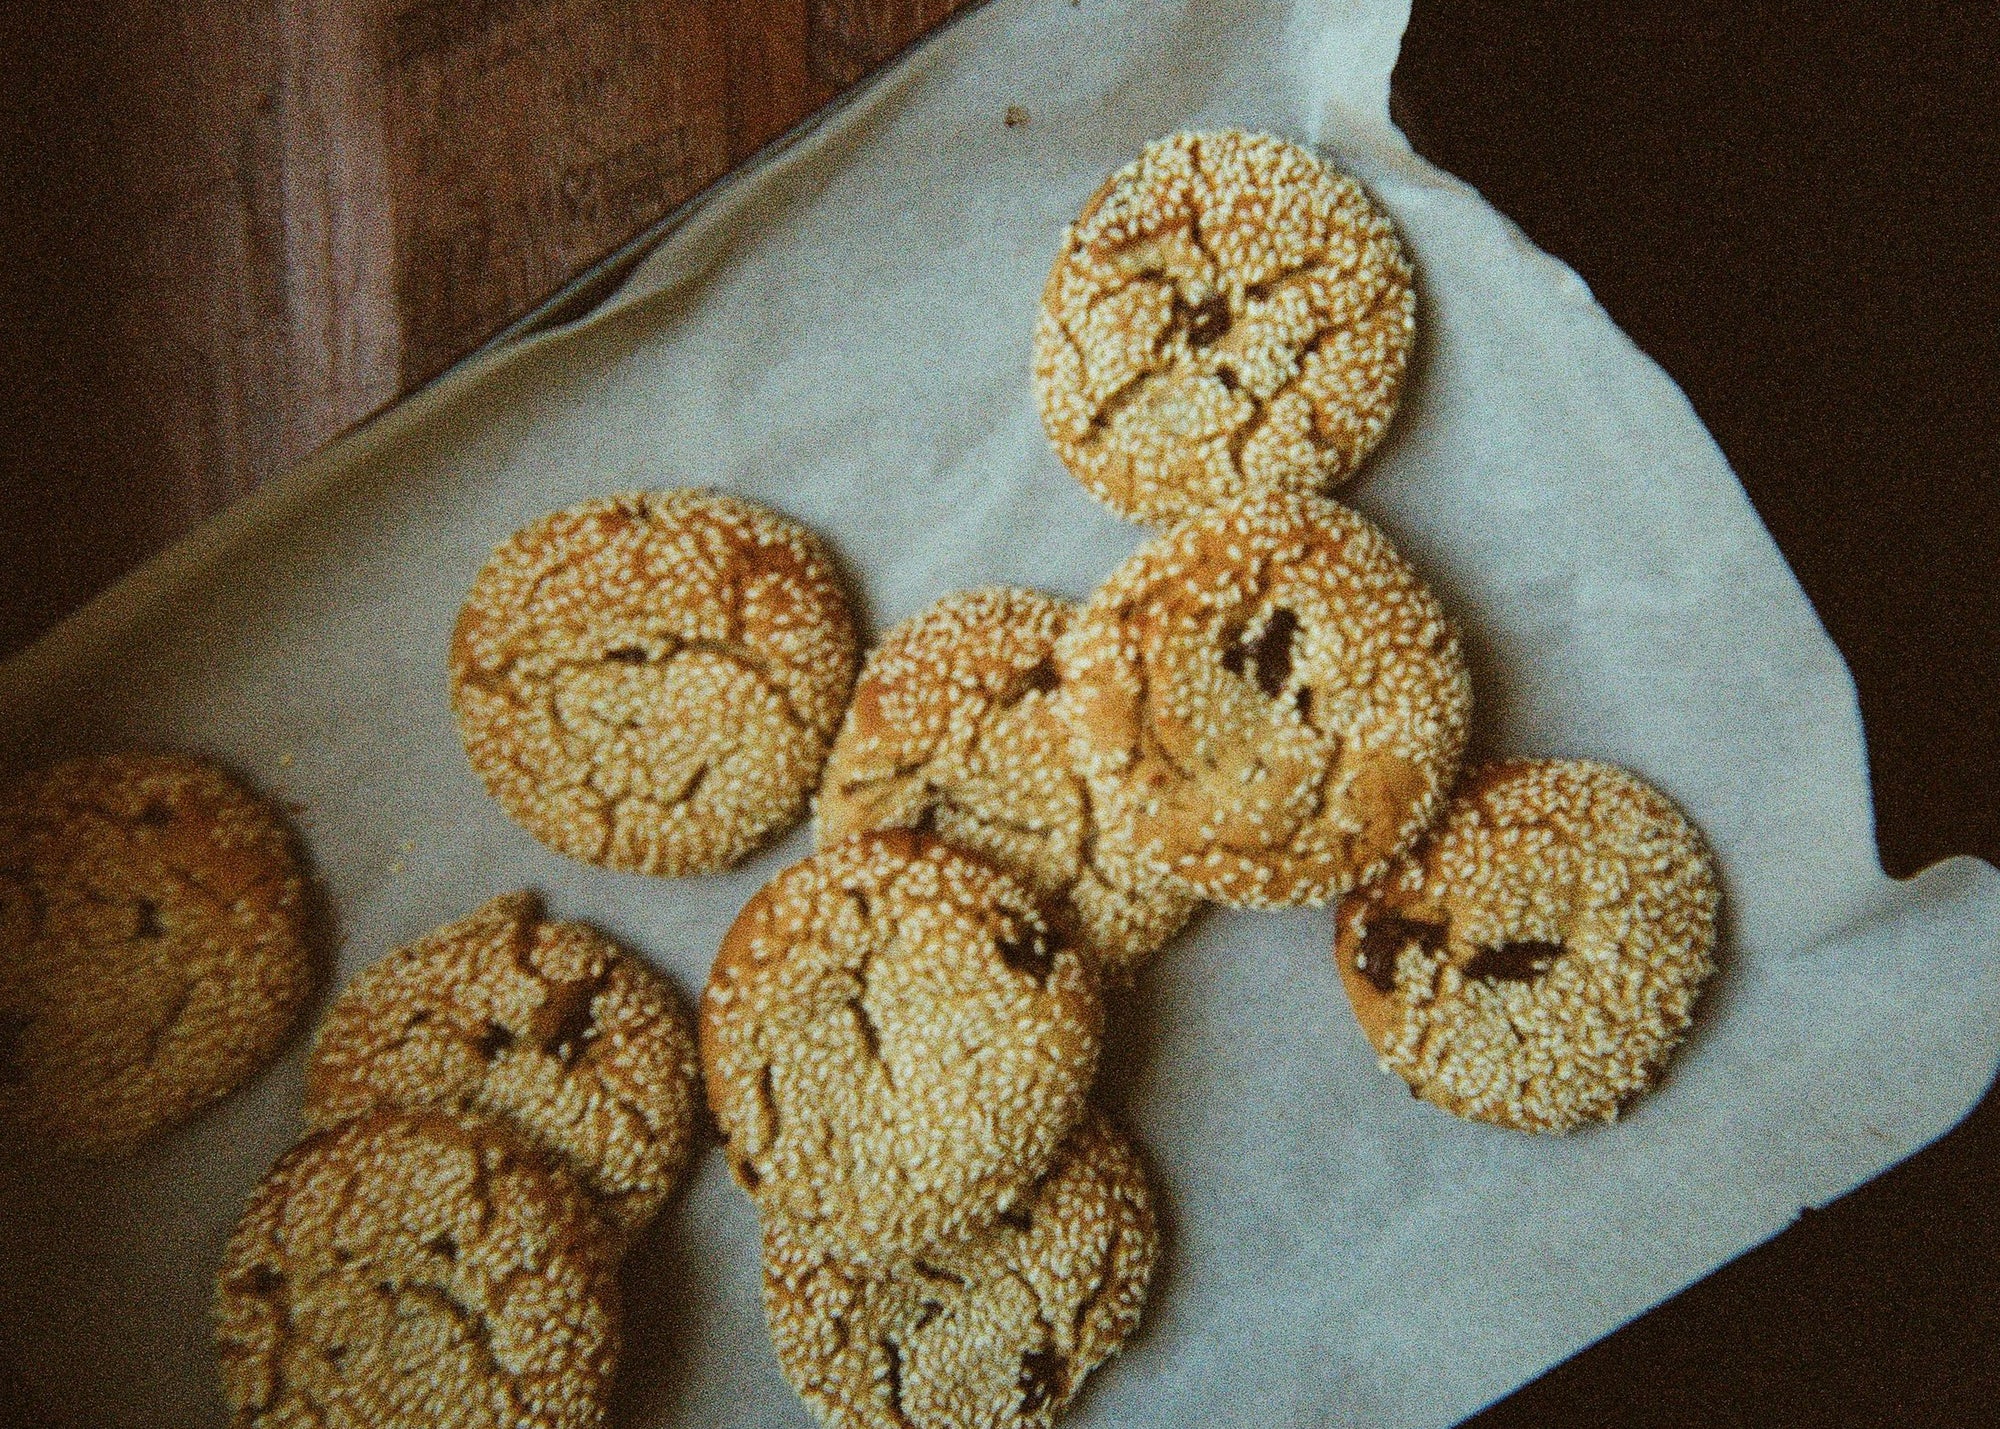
(550, 1026)
(895, 1043)
(1267, 702)
(1227, 316)
(1536, 959)
(418, 1269)
(153, 945)
(649, 682)
(996, 1333)
(950, 730)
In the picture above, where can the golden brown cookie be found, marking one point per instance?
(415, 1270)
(895, 1043)
(950, 730)
(1266, 702)
(550, 1026)
(153, 945)
(650, 681)
(1536, 959)
(1228, 315)
(996, 1333)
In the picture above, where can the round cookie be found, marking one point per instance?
(1536, 959)
(409, 1270)
(1266, 702)
(895, 1043)
(1228, 315)
(650, 681)
(550, 1026)
(950, 730)
(153, 945)
(996, 1333)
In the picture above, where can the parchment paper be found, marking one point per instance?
(844, 332)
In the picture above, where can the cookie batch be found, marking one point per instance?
(1017, 802)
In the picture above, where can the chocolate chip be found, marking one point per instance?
(1026, 951)
(1513, 962)
(1208, 320)
(1384, 940)
(567, 1018)
(1268, 658)
(155, 816)
(1044, 1377)
(627, 655)
(148, 918)
(262, 1281)
(747, 1174)
(494, 1041)
(1043, 677)
(1019, 1217)
(442, 1245)
(1274, 651)
(1227, 378)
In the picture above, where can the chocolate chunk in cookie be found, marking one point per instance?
(1536, 959)
(548, 1025)
(1227, 316)
(896, 1042)
(1267, 702)
(951, 730)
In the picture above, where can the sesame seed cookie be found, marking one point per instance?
(650, 681)
(153, 945)
(548, 1025)
(896, 1043)
(1536, 959)
(950, 730)
(996, 1333)
(1228, 315)
(1266, 702)
(420, 1270)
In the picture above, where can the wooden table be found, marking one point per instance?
(236, 228)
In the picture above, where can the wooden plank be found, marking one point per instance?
(289, 214)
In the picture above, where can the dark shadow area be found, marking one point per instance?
(1792, 212)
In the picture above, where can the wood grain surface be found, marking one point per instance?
(248, 224)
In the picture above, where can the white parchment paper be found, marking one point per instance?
(843, 332)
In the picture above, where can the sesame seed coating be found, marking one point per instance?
(418, 1271)
(1536, 959)
(950, 730)
(895, 1043)
(153, 950)
(650, 681)
(1227, 315)
(548, 1025)
(996, 1333)
(1266, 702)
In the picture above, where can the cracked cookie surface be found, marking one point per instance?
(1267, 702)
(650, 681)
(950, 730)
(153, 945)
(1228, 315)
(998, 1332)
(418, 1270)
(548, 1025)
(895, 1043)
(1535, 961)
